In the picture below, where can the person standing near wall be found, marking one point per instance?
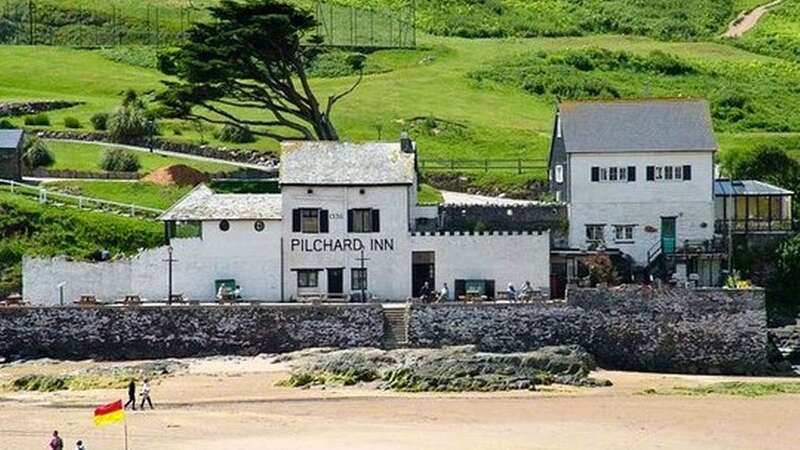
(131, 395)
(444, 294)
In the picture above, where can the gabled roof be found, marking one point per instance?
(737, 188)
(341, 163)
(204, 204)
(10, 139)
(666, 125)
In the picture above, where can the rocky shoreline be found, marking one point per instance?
(449, 369)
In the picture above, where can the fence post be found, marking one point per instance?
(486, 163)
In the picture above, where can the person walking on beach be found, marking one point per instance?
(56, 443)
(145, 394)
(79, 446)
(131, 395)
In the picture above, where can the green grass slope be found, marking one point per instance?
(777, 33)
(427, 92)
(148, 195)
(86, 157)
(29, 228)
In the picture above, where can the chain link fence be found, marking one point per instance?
(122, 22)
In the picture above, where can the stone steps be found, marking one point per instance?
(395, 326)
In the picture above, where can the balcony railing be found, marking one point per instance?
(754, 225)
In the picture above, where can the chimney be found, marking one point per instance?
(406, 144)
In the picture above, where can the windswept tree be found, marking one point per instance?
(252, 54)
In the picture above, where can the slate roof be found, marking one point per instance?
(10, 139)
(637, 125)
(204, 204)
(341, 163)
(736, 188)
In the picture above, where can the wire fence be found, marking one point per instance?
(46, 196)
(124, 22)
(484, 165)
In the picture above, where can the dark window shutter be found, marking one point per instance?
(376, 220)
(595, 174)
(687, 172)
(651, 173)
(323, 220)
(296, 220)
(631, 173)
(350, 220)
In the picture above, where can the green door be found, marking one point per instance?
(668, 234)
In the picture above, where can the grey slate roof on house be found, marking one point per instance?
(341, 163)
(737, 188)
(204, 204)
(10, 139)
(637, 125)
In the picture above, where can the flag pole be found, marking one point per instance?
(126, 434)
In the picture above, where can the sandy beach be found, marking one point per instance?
(234, 403)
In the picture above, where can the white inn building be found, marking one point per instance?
(631, 179)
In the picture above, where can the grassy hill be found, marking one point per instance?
(778, 33)
(28, 228)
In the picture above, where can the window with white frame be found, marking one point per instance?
(623, 233)
(307, 278)
(669, 173)
(595, 233)
(615, 174)
(358, 279)
(559, 173)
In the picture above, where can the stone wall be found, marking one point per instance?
(704, 331)
(33, 107)
(158, 332)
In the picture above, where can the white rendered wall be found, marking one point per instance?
(251, 258)
(388, 269)
(504, 257)
(641, 203)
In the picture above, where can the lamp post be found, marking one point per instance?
(170, 260)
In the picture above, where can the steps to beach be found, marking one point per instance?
(395, 326)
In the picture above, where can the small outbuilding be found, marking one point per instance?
(11, 154)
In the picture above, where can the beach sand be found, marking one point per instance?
(234, 403)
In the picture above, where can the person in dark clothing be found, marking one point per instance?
(131, 395)
(56, 443)
(425, 293)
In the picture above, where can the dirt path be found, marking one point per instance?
(236, 405)
(747, 20)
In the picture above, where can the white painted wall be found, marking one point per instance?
(251, 258)
(388, 270)
(504, 257)
(641, 203)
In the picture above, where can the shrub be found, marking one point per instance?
(237, 135)
(601, 269)
(337, 64)
(119, 160)
(72, 122)
(99, 121)
(38, 120)
(128, 123)
(36, 154)
(6, 124)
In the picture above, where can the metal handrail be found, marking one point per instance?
(654, 252)
(44, 195)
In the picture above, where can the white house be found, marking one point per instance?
(343, 227)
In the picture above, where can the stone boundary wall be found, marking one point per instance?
(703, 331)
(185, 331)
(10, 109)
(269, 161)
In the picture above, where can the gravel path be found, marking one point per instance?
(748, 19)
(460, 198)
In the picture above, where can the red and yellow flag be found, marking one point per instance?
(108, 414)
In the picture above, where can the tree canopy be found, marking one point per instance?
(252, 55)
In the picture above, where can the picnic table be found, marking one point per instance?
(86, 300)
(13, 300)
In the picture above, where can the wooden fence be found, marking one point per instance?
(484, 165)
